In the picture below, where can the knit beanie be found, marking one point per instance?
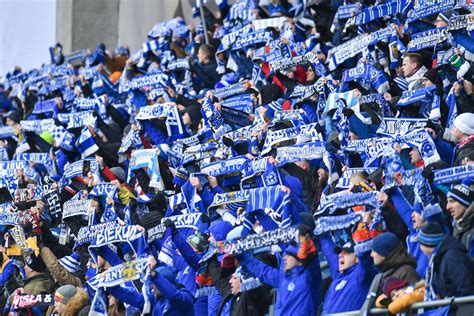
(461, 193)
(384, 244)
(71, 263)
(220, 230)
(430, 235)
(392, 284)
(65, 293)
(465, 123)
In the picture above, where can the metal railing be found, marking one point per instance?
(416, 306)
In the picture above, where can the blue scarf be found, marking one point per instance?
(278, 136)
(37, 126)
(427, 39)
(306, 151)
(399, 126)
(423, 9)
(382, 10)
(147, 158)
(409, 97)
(76, 207)
(454, 174)
(355, 46)
(45, 106)
(258, 37)
(331, 223)
(224, 167)
(231, 90)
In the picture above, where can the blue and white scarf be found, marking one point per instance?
(345, 180)
(88, 233)
(44, 106)
(6, 132)
(355, 46)
(149, 80)
(399, 126)
(231, 90)
(423, 9)
(129, 236)
(242, 102)
(103, 189)
(76, 207)
(254, 38)
(382, 10)
(331, 223)
(224, 167)
(331, 203)
(409, 97)
(147, 158)
(131, 139)
(454, 174)
(423, 142)
(308, 58)
(278, 136)
(37, 126)
(306, 151)
(85, 144)
(79, 119)
(427, 39)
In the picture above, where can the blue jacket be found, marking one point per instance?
(348, 290)
(299, 290)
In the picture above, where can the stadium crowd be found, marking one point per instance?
(283, 157)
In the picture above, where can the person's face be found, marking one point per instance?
(427, 82)
(59, 307)
(310, 75)
(408, 67)
(346, 260)
(439, 23)
(397, 293)
(428, 251)
(323, 176)
(9, 122)
(377, 258)
(201, 56)
(457, 134)
(415, 156)
(234, 284)
(290, 263)
(353, 136)
(417, 220)
(455, 208)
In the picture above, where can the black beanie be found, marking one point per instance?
(35, 263)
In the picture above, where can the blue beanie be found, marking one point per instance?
(220, 230)
(167, 272)
(292, 250)
(384, 244)
(430, 235)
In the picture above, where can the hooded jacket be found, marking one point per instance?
(353, 282)
(298, 290)
(399, 264)
(451, 270)
(462, 150)
(78, 305)
(59, 272)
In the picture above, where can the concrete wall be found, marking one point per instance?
(84, 23)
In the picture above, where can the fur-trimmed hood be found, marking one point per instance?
(78, 305)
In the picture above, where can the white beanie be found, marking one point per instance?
(465, 123)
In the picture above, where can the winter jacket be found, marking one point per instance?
(464, 230)
(247, 303)
(463, 150)
(399, 264)
(62, 276)
(38, 284)
(298, 290)
(415, 295)
(450, 271)
(78, 305)
(353, 282)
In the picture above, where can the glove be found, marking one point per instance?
(307, 249)
(228, 262)
(170, 224)
(347, 112)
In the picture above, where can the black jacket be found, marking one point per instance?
(453, 271)
(249, 303)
